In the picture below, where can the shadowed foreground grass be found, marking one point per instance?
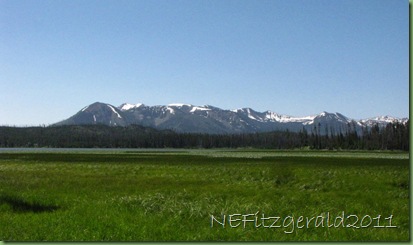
(178, 196)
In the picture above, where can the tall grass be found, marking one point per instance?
(164, 196)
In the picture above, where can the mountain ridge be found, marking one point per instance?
(188, 118)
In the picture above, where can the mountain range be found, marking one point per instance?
(187, 118)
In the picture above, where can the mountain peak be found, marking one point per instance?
(93, 106)
(326, 113)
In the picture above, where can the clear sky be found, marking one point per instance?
(294, 57)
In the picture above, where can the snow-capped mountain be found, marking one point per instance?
(382, 120)
(209, 119)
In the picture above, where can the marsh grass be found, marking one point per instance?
(170, 196)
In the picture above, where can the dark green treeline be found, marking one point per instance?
(395, 136)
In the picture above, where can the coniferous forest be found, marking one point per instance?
(395, 136)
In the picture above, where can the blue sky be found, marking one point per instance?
(292, 57)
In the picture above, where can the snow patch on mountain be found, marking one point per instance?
(270, 116)
(305, 120)
(386, 119)
(172, 111)
(113, 109)
(127, 106)
(179, 105)
(197, 108)
(84, 108)
(274, 117)
(381, 120)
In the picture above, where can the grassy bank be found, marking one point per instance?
(184, 196)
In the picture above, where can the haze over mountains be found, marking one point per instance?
(187, 118)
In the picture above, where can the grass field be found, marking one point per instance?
(185, 196)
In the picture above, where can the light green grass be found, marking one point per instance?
(170, 196)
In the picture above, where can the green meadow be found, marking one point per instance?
(204, 195)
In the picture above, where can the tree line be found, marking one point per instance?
(394, 136)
